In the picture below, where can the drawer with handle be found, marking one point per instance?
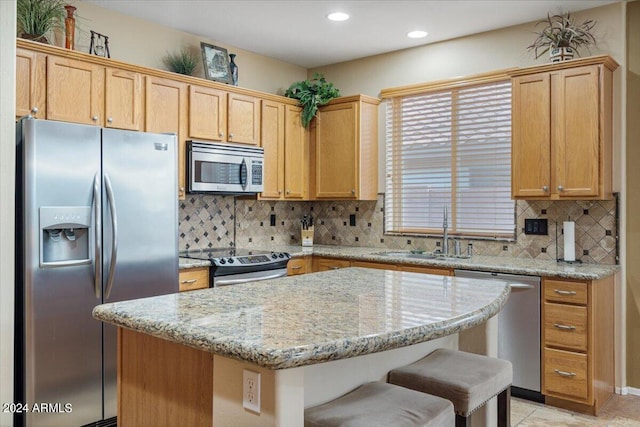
(565, 375)
(326, 264)
(565, 292)
(194, 278)
(565, 326)
(297, 266)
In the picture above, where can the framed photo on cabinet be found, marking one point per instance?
(216, 63)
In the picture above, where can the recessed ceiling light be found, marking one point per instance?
(417, 34)
(338, 16)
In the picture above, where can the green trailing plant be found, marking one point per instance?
(311, 94)
(35, 18)
(183, 62)
(562, 30)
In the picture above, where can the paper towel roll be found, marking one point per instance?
(569, 240)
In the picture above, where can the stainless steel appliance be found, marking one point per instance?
(224, 168)
(96, 222)
(518, 330)
(235, 266)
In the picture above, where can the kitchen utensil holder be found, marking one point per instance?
(307, 236)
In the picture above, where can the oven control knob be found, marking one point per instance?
(274, 256)
(222, 261)
(230, 260)
(280, 255)
(286, 255)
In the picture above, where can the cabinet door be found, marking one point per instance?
(575, 121)
(272, 141)
(531, 136)
(75, 91)
(30, 84)
(376, 265)
(123, 99)
(337, 133)
(296, 155)
(166, 111)
(243, 119)
(326, 264)
(207, 113)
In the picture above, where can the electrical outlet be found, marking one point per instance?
(272, 220)
(352, 220)
(251, 390)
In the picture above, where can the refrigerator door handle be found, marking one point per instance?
(97, 206)
(114, 234)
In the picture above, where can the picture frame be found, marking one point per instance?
(216, 63)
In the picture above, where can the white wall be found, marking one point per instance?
(7, 162)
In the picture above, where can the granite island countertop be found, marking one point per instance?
(309, 319)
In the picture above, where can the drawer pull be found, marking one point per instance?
(564, 327)
(189, 281)
(565, 373)
(297, 267)
(561, 292)
(333, 267)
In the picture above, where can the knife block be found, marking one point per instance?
(307, 237)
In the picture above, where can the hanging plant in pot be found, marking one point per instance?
(36, 18)
(311, 94)
(562, 36)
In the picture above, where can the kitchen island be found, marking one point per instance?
(311, 338)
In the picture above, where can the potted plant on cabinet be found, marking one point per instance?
(311, 94)
(562, 36)
(183, 62)
(36, 18)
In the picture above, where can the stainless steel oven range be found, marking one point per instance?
(231, 266)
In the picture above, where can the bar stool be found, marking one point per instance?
(379, 404)
(467, 380)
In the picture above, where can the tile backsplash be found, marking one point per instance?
(215, 221)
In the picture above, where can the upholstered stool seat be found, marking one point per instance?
(378, 404)
(467, 380)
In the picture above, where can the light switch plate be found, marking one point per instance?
(251, 390)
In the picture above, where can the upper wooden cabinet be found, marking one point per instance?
(31, 71)
(207, 113)
(123, 99)
(166, 111)
(562, 130)
(346, 149)
(75, 91)
(286, 152)
(243, 119)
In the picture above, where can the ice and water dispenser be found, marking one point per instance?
(64, 235)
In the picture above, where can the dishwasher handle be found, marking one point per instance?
(520, 286)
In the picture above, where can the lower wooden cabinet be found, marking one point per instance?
(297, 266)
(378, 265)
(194, 278)
(441, 271)
(578, 343)
(326, 264)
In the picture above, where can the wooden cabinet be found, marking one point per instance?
(31, 70)
(286, 153)
(123, 99)
(562, 130)
(194, 278)
(297, 266)
(441, 271)
(326, 264)
(207, 113)
(243, 119)
(75, 91)
(166, 111)
(578, 343)
(376, 265)
(345, 158)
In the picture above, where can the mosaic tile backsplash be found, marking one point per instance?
(214, 221)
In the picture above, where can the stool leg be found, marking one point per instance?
(462, 421)
(504, 410)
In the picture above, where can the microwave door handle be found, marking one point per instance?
(243, 177)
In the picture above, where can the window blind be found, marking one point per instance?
(450, 148)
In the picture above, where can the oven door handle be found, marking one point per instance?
(224, 282)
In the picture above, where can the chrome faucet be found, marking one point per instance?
(445, 234)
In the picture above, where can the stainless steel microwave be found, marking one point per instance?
(224, 168)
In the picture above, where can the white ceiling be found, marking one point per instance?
(297, 31)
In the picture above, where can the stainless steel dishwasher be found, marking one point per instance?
(518, 330)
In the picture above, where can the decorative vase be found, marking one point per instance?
(234, 69)
(559, 54)
(70, 27)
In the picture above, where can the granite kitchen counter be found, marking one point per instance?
(496, 264)
(309, 319)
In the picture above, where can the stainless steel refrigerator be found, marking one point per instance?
(96, 222)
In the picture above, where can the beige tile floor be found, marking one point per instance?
(619, 411)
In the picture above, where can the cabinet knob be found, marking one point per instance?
(34, 110)
(279, 191)
(109, 120)
(230, 135)
(353, 191)
(545, 188)
(288, 191)
(94, 118)
(221, 134)
(182, 189)
(560, 188)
